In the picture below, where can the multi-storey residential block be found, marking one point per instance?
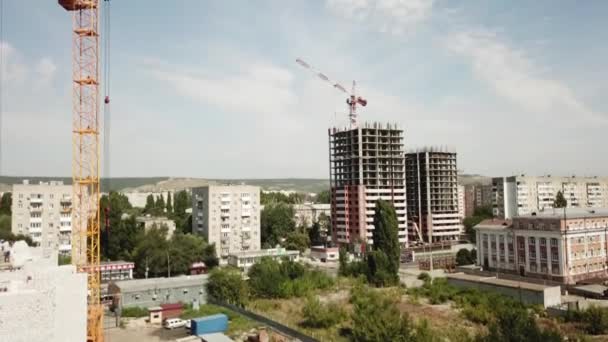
(365, 164)
(44, 212)
(476, 196)
(461, 201)
(564, 245)
(524, 195)
(308, 213)
(228, 216)
(432, 195)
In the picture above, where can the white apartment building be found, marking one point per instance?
(43, 211)
(524, 195)
(228, 216)
(308, 213)
(565, 247)
(461, 201)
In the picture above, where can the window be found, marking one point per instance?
(553, 242)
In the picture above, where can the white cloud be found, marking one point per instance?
(45, 69)
(261, 88)
(13, 67)
(391, 16)
(514, 75)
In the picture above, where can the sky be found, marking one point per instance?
(211, 89)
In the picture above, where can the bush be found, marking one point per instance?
(319, 315)
(425, 277)
(271, 279)
(463, 257)
(227, 285)
(134, 311)
(596, 319)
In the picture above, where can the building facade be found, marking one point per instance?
(461, 201)
(365, 164)
(228, 216)
(244, 260)
(524, 195)
(563, 245)
(43, 211)
(432, 195)
(149, 222)
(476, 196)
(308, 213)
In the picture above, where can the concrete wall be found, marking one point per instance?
(45, 303)
(155, 297)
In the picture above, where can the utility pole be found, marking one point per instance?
(168, 265)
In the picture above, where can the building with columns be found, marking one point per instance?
(563, 245)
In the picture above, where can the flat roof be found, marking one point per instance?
(592, 288)
(499, 282)
(215, 337)
(571, 213)
(494, 224)
(161, 283)
(264, 252)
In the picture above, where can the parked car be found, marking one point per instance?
(173, 323)
(188, 324)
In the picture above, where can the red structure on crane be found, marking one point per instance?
(352, 101)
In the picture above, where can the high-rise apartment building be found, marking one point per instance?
(228, 216)
(523, 195)
(43, 211)
(461, 201)
(476, 196)
(365, 164)
(432, 195)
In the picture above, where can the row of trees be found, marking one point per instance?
(268, 278)
(278, 227)
(126, 240)
(293, 198)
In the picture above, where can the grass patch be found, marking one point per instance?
(134, 311)
(237, 323)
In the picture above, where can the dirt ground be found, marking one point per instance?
(141, 331)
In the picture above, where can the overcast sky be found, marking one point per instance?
(211, 88)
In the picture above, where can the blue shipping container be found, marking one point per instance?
(209, 324)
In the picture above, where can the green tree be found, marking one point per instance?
(182, 201)
(383, 262)
(150, 204)
(276, 222)
(5, 203)
(296, 241)
(375, 317)
(266, 279)
(463, 257)
(343, 262)
(227, 285)
(209, 256)
(64, 260)
(323, 197)
(470, 222)
(184, 250)
(560, 200)
(5, 223)
(151, 251)
(169, 205)
(596, 319)
(118, 241)
(160, 205)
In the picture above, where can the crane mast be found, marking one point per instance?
(85, 154)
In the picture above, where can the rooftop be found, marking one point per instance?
(315, 206)
(264, 252)
(570, 213)
(494, 224)
(161, 283)
(215, 337)
(499, 282)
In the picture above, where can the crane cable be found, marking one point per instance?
(2, 43)
(106, 106)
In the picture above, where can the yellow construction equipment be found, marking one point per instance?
(85, 154)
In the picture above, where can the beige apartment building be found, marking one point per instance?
(43, 211)
(524, 195)
(567, 246)
(228, 216)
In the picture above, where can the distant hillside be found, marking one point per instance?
(154, 184)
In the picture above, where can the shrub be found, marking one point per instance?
(596, 319)
(134, 311)
(227, 285)
(425, 277)
(463, 257)
(319, 315)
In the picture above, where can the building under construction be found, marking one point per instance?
(432, 195)
(366, 163)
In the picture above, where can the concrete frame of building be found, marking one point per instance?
(563, 249)
(432, 195)
(365, 164)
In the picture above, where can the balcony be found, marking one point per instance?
(35, 230)
(66, 200)
(37, 219)
(225, 214)
(246, 213)
(36, 200)
(65, 229)
(65, 219)
(65, 247)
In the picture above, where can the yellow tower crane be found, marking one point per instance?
(85, 154)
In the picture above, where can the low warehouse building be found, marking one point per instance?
(156, 291)
(527, 293)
